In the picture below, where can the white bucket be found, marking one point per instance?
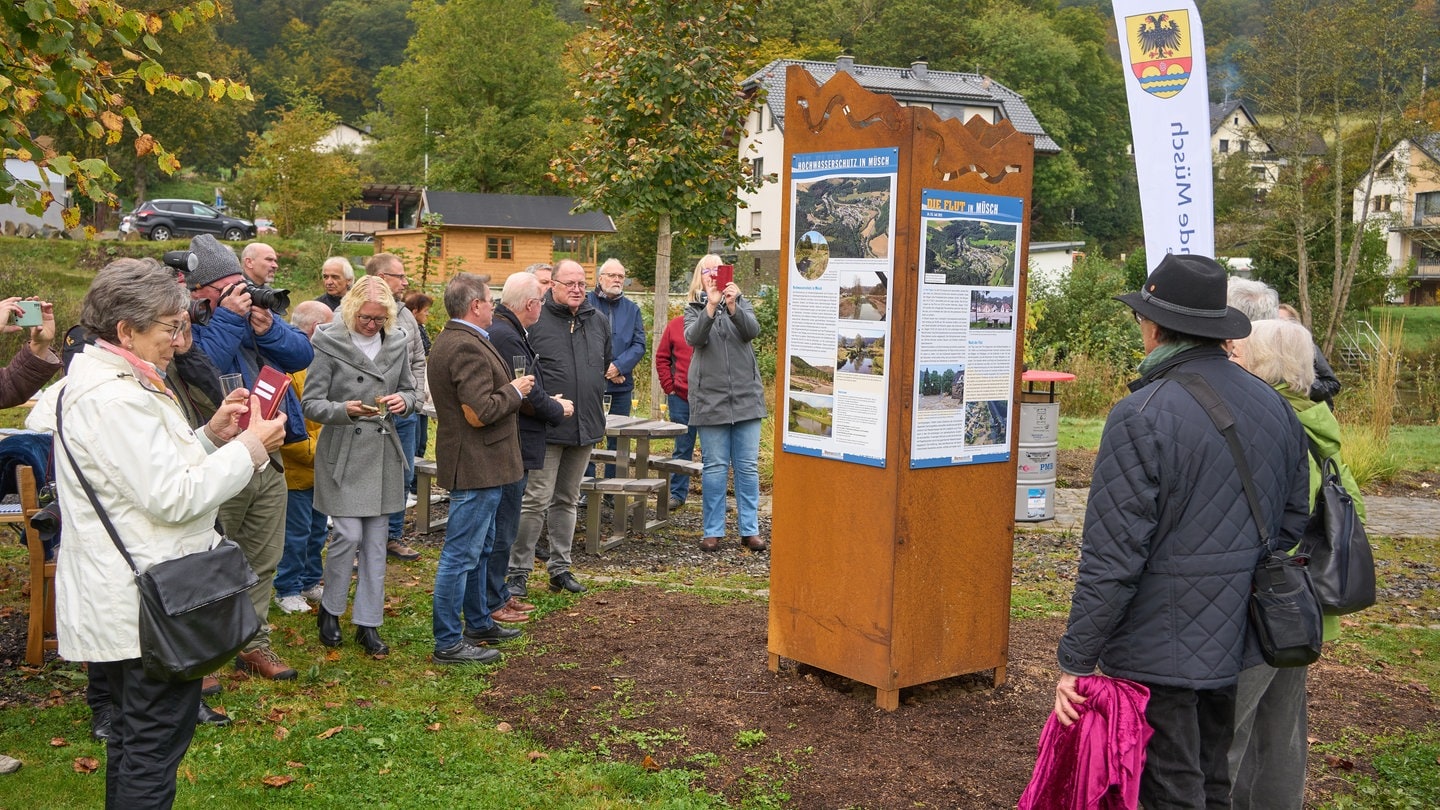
(1039, 422)
(1035, 500)
(1037, 462)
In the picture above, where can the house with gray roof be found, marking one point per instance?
(949, 94)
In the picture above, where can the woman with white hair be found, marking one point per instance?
(359, 381)
(1267, 754)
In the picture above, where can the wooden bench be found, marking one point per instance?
(602, 456)
(676, 466)
(424, 481)
(623, 489)
(40, 624)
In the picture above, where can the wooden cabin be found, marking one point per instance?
(496, 235)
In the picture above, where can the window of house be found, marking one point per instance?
(1427, 207)
(500, 248)
(755, 222)
(1224, 145)
(1381, 203)
(1244, 146)
(1257, 172)
(757, 169)
(577, 247)
(435, 245)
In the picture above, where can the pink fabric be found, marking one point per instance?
(1095, 763)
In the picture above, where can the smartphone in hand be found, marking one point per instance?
(724, 275)
(30, 313)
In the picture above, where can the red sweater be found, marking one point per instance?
(672, 359)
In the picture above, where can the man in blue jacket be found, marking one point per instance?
(627, 341)
(1169, 546)
(241, 339)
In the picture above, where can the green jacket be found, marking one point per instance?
(1322, 428)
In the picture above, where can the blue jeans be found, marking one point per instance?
(300, 566)
(722, 448)
(684, 446)
(460, 575)
(507, 526)
(405, 429)
(620, 406)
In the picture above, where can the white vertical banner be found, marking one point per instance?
(1163, 47)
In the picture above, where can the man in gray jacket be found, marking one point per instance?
(572, 341)
(1169, 546)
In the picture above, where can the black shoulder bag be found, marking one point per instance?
(1341, 563)
(1284, 606)
(195, 610)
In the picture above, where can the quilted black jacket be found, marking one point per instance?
(1169, 542)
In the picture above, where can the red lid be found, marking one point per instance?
(1037, 375)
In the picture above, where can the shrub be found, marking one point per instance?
(1076, 316)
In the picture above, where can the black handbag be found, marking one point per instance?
(195, 610)
(1341, 563)
(1284, 605)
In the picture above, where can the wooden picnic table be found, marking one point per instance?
(632, 436)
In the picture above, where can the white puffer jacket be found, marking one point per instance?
(159, 481)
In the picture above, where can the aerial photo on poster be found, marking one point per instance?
(863, 295)
(986, 422)
(837, 304)
(974, 253)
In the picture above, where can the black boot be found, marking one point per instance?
(329, 625)
(369, 638)
(100, 718)
(209, 717)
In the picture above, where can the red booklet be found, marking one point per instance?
(270, 387)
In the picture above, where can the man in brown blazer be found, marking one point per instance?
(477, 452)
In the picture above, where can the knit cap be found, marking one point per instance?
(214, 261)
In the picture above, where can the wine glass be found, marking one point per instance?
(518, 364)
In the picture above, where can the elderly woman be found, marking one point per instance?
(359, 381)
(727, 402)
(160, 482)
(1267, 755)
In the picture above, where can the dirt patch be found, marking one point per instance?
(643, 673)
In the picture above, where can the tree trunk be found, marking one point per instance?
(661, 305)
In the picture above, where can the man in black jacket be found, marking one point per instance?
(519, 309)
(572, 340)
(1170, 546)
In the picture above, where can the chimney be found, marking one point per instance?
(919, 68)
(845, 63)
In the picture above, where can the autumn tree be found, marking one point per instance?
(71, 67)
(660, 85)
(305, 186)
(481, 95)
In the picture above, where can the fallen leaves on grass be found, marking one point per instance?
(281, 732)
(433, 727)
(504, 728)
(329, 732)
(536, 756)
(275, 716)
(278, 781)
(649, 764)
(58, 742)
(293, 764)
(1339, 763)
(86, 764)
(332, 656)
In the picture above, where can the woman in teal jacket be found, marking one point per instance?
(1267, 756)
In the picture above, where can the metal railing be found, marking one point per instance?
(1358, 344)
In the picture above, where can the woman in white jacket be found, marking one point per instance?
(160, 483)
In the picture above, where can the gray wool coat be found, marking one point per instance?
(359, 464)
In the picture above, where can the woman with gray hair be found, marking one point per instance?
(1267, 754)
(359, 381)
(160, 483)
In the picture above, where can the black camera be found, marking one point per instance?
(264, 297)
(183, 261)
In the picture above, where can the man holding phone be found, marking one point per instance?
(36, 362)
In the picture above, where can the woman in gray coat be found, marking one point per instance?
(727, 402)
(359, 380)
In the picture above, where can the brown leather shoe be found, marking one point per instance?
(518, 606)
(753, 542)
(264, 662)
(507, 616)
(395, 548)
(210, 685)
(710, 544)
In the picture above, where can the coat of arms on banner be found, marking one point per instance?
(1159, 49)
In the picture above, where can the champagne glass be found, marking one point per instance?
(606, 403)
(518, 364)
(230, 382)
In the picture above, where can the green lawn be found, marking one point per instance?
(1422, 324)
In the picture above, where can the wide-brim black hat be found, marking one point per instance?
(1186, 294)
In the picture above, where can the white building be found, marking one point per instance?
(24, 170)
(949, 94)
(345, 138)
(1405, 202)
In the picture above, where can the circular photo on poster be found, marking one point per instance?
(812, 255)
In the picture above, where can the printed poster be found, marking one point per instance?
(837, 333)
(965, 347)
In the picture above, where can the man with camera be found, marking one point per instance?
(236, 327)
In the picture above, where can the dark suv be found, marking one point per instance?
(167, 219)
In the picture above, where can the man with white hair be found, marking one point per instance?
(336, 276)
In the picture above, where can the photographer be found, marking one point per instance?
(36, 362)
(241, 336)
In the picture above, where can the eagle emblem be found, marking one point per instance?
(1159, 51)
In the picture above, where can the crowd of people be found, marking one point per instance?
(520, 381)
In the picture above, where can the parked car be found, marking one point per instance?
(264, 226)
(167, 219)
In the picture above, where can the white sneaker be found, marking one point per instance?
(314, 594)
(293, 604)
(410, 501)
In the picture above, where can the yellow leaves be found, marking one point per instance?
(26, 99)
(111, 121)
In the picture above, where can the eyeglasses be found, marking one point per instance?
(394, 275)
(574, 285)
(490, 301)
(537, 300)
(372, 319)
(612, 275)
(175, 328)
(1138, 317)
